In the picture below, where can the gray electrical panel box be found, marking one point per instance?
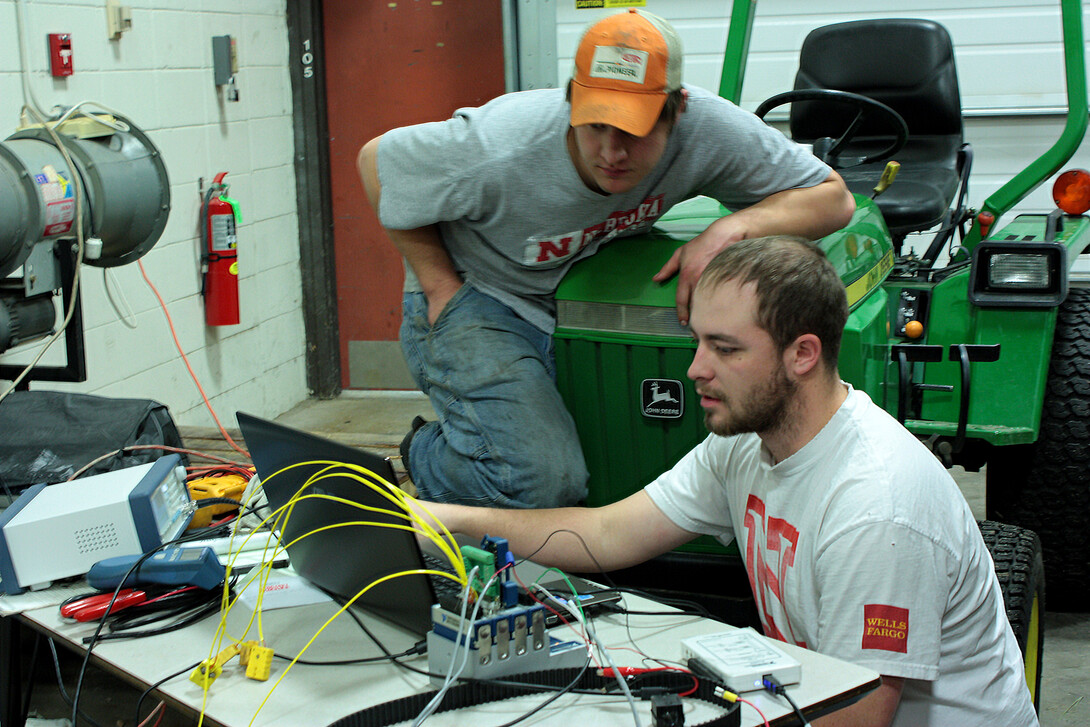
(222, 63)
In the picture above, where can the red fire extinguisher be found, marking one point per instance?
(220, 254)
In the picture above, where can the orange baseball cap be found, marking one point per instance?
(625, 66)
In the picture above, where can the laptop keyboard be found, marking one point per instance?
(446, 590)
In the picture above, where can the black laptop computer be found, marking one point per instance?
(341, 560)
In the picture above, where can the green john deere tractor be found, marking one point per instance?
(980, 346)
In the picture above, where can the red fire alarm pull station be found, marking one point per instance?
(60, 53)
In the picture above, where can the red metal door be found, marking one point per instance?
(390, 64)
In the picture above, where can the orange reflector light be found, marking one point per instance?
(1071, 191)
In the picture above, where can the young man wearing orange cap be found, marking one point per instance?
(492, 207)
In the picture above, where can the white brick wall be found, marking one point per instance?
(159, 75)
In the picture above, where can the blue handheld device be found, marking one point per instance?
(174, 566)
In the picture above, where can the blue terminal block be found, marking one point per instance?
(509, 592)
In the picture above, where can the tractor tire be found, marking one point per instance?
(1019, 566)
(1045, 486)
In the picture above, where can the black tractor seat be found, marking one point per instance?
(908, 65)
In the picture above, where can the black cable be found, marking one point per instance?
(209, 501)
(387, 655)
(91, 640)
(158, 684)
(420, 647)
(586, 549)
(552, 698)
(60, 682)
(774, 687)
(30, 675)
(98, 630)
(687, 607)
(192, 617)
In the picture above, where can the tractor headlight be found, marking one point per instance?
(1030, 271)
(1018, 274)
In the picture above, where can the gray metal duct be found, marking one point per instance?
(123, 176)
(126, 201)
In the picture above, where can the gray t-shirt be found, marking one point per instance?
(515, 215)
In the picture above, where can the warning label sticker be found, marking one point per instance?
(57, 192)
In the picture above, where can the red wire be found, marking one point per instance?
(174, 334)
(756, 709)
(164, 447)
(696, 685)
(222, 521)
(165, 595)
(160, 709)
(538, 600)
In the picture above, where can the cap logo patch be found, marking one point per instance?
(885, 628)
(620, 64)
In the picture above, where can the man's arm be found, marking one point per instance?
(422, 247)
(874, 710)
(618, 535)
(809, 212)
(578, 539)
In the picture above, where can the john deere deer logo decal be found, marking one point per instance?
(662, 398)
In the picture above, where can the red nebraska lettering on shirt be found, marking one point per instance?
(771, 543)
(885, 628)
(549, 250)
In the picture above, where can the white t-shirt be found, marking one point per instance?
(860, 546)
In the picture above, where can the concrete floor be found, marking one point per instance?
(380, 420)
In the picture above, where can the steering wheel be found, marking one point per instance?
(828, 149)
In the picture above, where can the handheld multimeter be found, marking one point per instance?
(172, 566)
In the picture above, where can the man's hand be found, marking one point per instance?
(809, 212)
(439, 296)
(689, 261)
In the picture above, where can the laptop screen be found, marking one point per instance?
(343, 560)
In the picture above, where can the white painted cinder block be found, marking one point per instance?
(159, 75)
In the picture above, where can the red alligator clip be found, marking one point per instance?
(93, 608)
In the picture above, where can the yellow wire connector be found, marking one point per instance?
(207, 671)
(259, 663)
(247, 648)
(726, 695)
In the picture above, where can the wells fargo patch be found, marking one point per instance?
(885, 628)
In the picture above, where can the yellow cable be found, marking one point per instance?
(328, 621)
(444, 540)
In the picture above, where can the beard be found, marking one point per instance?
(764, 409)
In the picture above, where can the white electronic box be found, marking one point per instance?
(59, 531)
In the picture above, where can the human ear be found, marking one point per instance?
(803, 355)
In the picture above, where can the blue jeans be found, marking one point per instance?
(504, 437)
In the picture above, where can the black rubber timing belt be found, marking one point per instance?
(473, 693)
